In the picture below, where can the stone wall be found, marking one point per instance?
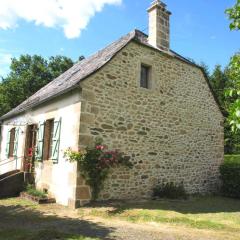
(173, 131)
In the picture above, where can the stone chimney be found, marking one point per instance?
(159, 28)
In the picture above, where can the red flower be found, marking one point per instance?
(100, 147)
(30, 152)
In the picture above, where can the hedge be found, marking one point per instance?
(170, 190)
(230, 175)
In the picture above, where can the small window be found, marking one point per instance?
(145, 76)
(11, 142)
(47, 139)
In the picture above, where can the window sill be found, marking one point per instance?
(48, 162)
(146, 90)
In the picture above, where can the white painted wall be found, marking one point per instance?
(9, 164)
(55, 177)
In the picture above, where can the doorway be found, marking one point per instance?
(30, 144)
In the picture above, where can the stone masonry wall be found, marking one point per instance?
(173, 131)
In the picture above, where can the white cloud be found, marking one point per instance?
(71, 15)
(5, 60)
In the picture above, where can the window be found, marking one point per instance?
(51, 138)
(11, 142)
(145, 76)
(47, 139)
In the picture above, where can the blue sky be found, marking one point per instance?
(199, 29)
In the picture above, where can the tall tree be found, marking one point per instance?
(234, 92)
(234, 16)
(219, 80)
(234, 69)
(205, 67)
(27, 75)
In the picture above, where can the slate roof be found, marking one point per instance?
(81, 70)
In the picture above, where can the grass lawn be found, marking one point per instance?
(235, 157)
(215, 214)
(214, 218)
(24, 220)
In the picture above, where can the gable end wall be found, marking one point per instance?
(173, 132)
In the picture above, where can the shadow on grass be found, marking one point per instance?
(18, 222)
(195, 205)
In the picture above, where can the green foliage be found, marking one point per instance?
(205, 67)
(219, 82)
(231, 140)
(95, 164)
(27, 75)
(222, 81)
(230, 175)
(31, 190)
(234, 68)
(170, 190)
(234, 15)
(234, 92)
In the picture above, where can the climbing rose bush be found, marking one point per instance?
(95, 164)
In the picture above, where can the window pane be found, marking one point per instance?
(48, 135)
(51, 138)
(144, 76)
(12, 139)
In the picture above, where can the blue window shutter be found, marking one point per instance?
(39, 145)
(15, 148)
(8, 143)
(56, 140)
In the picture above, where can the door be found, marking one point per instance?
(30, 144)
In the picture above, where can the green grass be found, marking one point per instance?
(208, 213)
(24, 220)
(17, 202)
(34, 192)
(231, 158)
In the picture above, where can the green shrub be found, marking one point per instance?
(230, 176)
(170, 190)
(95, 163)
(31, 190)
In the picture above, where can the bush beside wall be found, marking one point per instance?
(230, 175)
(170, 190)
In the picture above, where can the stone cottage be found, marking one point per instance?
(139, 96)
